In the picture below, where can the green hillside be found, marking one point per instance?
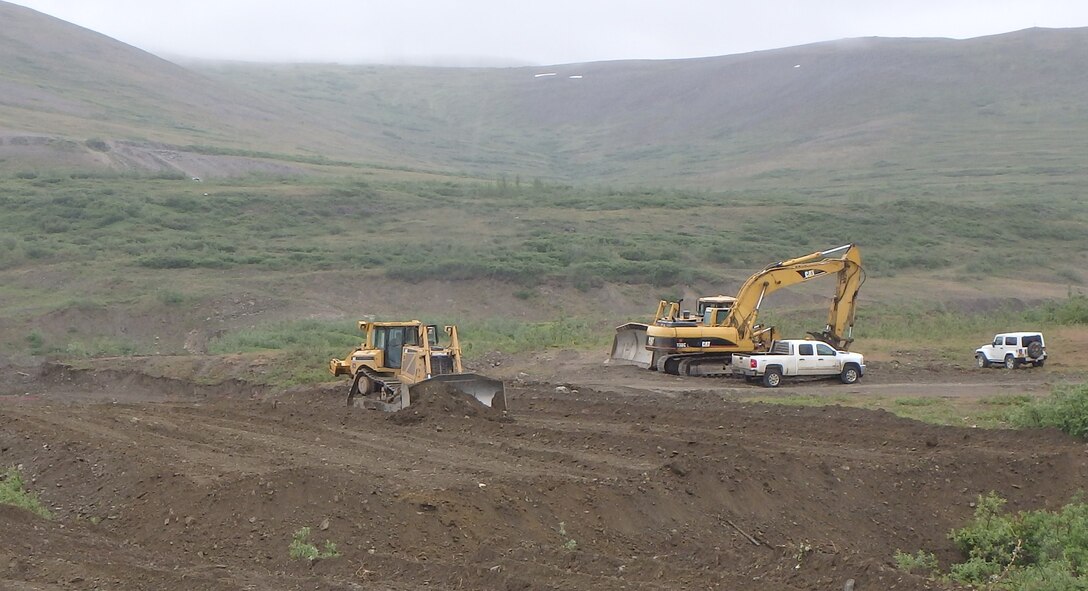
(492, 196)
(872, 114)
(847, 110)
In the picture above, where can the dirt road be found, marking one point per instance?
(611, 481)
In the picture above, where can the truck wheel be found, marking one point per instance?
(772, 378)
(1011, 362)
(982, 362)
(850, 374)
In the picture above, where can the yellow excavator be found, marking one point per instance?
(701, 344)
(399, 356)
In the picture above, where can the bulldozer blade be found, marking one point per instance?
(629, 346)
(488, 391)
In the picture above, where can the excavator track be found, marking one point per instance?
(707, 365)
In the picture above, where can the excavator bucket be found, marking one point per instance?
(629, 346)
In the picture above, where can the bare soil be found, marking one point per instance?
(599, 477)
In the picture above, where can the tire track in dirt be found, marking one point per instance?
(619, 488)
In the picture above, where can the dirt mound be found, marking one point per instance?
(437, 402)
(65, 382)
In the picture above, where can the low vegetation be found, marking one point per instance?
(1066, 409)
(1030, 550)
(13, 492)
(529, 234)
(164, 246)
(302, 549)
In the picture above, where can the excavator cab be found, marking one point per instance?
(715, 309)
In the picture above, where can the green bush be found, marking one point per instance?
(1065, 409)
(36, 343)
(1073, 310)
(919, 563)
(1032, 550)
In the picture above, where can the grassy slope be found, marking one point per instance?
(954, 164)
(111, 248)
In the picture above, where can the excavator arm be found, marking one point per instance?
(839, 331)
(844, 260)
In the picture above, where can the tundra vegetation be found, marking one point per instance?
(1038, 549)
(163, 244)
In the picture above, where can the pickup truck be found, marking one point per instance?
(800, 357)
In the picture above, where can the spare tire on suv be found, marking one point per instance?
(1035, 350)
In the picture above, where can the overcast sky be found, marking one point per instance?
(520, 32)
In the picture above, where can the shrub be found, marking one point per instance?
(1065, 409)
(302, 549)
(171, 297)
(36, 342)
(1032, 550)
(919, 563)
(98, 144)
(1074, 310)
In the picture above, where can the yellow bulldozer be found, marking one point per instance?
(398, 356)
(701, 344)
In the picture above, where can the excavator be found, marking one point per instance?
(397, 357)
(701, 344)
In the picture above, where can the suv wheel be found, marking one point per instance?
(1039, 363)
(1011, 362)
(981, 360)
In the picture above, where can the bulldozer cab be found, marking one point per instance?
(391, 340)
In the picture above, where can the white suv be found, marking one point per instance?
(1012, 349)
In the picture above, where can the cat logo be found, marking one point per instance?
(810, 273)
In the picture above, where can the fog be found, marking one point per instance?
(500, 32)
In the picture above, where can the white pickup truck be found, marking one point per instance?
(799, 357)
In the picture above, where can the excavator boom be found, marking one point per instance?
(844, 260)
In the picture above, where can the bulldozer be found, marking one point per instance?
(701, 344)
(396, 357)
